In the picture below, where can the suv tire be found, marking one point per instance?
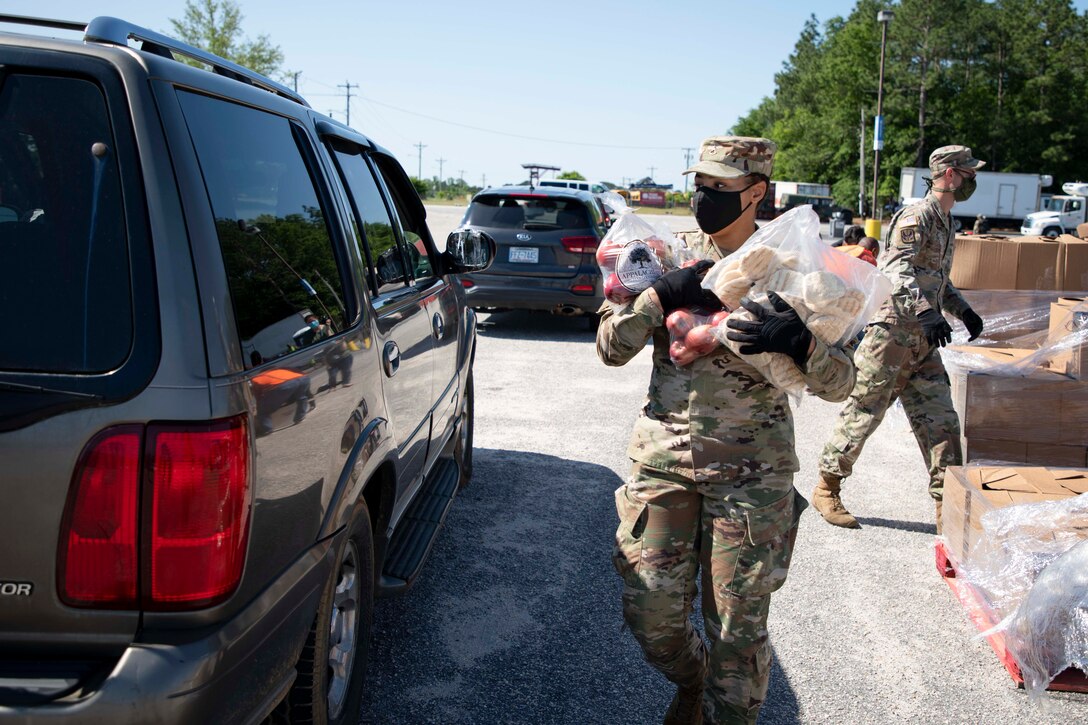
(463, 450)
(321, 693)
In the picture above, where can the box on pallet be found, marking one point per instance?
(1068, 317)
(1037, 416)
(971, 491)
(1020, 263)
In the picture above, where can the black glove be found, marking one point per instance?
(682, 288)
(937, 330)
(780, 330)
(973, 323)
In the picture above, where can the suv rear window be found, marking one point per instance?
(526, 212)
(64, 266)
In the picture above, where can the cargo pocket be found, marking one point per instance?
(764, 555)
(627, 553)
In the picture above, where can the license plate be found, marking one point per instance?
(525, 255)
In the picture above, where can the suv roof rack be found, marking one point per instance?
(105, 29)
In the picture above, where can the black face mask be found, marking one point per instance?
(715, 210)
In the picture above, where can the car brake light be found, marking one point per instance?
(577, 245)
(582, 289)
(199, 528)
(467, 283)
(98, 541)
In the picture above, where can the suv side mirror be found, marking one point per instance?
(469, 250)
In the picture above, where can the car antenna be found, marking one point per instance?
(534, 172)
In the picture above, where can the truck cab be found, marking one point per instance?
(1060, 214)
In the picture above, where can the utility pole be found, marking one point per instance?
(861, 166)
(420, 146)
(294, 77)
(652, 172)
(687, 165)
(483, 181)
(347, 103)
(440, 177)
(883, 17)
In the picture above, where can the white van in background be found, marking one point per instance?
(595, 187)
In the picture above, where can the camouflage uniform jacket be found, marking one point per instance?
(717, 419)
(917, 257)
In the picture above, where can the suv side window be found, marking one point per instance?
(385, 257)
(286, 284)
(413, 226)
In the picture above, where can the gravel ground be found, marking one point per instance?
(516, 617)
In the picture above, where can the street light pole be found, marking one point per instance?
(883, 17)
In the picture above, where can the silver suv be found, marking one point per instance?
(235, 387)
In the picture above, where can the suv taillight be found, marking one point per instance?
(98, 560)
(199, 512)
(577, 245)
(189, 546)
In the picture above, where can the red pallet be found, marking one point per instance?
(982, 614)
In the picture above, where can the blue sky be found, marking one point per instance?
(610, 89)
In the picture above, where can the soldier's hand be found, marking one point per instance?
(936, 329)
(973, 323)
(683, 288)
(776, 330)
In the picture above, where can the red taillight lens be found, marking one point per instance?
(199, 512)
(582, 289)
(577, 245)
(98, 541)
(467, 283)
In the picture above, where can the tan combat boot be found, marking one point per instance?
(686, 707)
(825, 497)
(938, 502)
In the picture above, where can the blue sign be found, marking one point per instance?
(878, 133)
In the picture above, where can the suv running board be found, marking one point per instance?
(417, 531)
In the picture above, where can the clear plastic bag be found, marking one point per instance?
(634, 254)
(834, 293)
(1031, 564)
(691, 334)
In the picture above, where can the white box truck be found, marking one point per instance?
(1060, 214)
(1004, 198)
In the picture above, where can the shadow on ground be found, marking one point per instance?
(522, 324)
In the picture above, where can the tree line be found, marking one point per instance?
(1009, 78)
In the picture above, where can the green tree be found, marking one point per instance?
(572, 175)
(423, 187)
(216, 26)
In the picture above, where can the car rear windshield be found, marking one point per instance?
(526, 212)
(64, 267)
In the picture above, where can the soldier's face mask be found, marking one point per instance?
(966, 188)
(716, 209)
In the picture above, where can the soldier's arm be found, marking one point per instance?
(624, 332)
(829, 372)
(953, 301)
(897, 263)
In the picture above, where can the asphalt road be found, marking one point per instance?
(516, 616)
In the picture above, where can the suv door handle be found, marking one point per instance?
(437, 326)
(391, 358)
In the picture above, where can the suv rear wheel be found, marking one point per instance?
(332, 668)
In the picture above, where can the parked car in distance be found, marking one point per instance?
(242, 401)
(545, 240)
(595, 187)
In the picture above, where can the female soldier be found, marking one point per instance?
(711, 486)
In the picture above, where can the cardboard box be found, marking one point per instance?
(1082, 231)
(1040, 417)
(1072, 266)
(1010, 314)
(1069, 316)
(972, 491)
(992, 262)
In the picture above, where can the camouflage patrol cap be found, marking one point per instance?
(729, 157)
(953, 157)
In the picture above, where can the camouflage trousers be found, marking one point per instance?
(896, 362)
(670, 529)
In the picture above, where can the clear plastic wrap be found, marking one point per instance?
(691, 334)
(1031, 564)
(634, 254)
(834, 293)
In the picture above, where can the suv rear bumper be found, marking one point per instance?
(533, 293)
(236, 672)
